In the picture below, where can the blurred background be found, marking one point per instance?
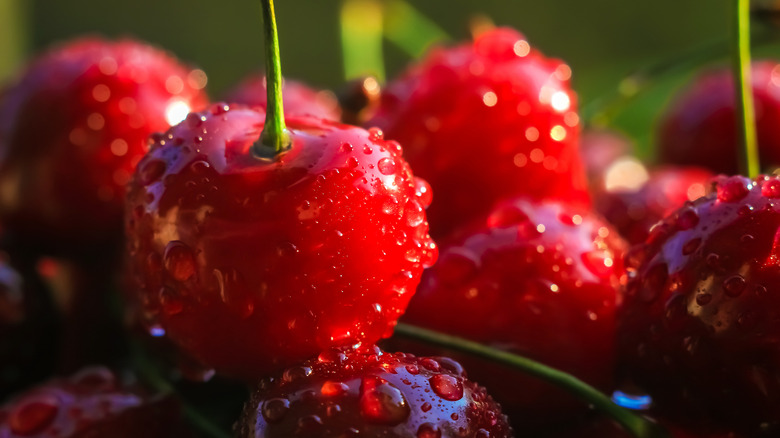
(604, 41)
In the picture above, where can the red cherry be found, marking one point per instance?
(538, 279)
(633, 200)
(486, 121)
(699, 129)
(600, 149)
(298, 98)
(701, 309)
(72, 129)
(371, 393)
(252, 265)
(90, 403)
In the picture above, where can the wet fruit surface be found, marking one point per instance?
(486, 121)
(699, 129)
(72, 130)
(640, 200)
(298, 98)
(90, 403)
(535, 278)
(252, 265)
(699, 319)
(371, 393)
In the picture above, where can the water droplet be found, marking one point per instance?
(331, 355)
(275, 409)
(687, 219)
(381, 402)
(771, 188)
(199, 167)
(426, 407)
(447, 387)
(151, 171)
(170, 301)
(428, 430)
(334, 389)
(414, 213)
(386, 166)
(422, 190)
(734, 285)
(292, 374)
(375, 134)
(194, 120)
(703, 299)
(352, 162)
(430, 364)
(412, 369)
(94, 380)
(731, 190)
(34, 415)
(179, 261)
(367, 150)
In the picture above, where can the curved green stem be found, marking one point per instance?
(409, 29)
(743, 85)
(635, 424)
(275, 138)
(361, 39)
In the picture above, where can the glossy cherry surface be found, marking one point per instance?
(251, 265)
(535, 278)
(371, 393)
(647, 196)
(298, 98)
(700, 316)
(699, 129)
(89, 404)
(486, 121)
(72, 129)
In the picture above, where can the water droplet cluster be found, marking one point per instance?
(701, 308)
(486, 121)
(324, 245)
(371, 393)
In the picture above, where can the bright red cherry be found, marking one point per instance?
(72, 129)
(486, 121)
(299, 99)
(699, 129)
(535, 278)
(633, 199)
(701, 312)
(251, 265)
(90, 403)
(371, 393)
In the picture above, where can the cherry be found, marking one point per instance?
(372, 393)
(700, 312)
(601, 149)
(251, 265)
(699, 128)
(90, 403)
(536, 278)
(72, 129)
(298, 98)
(633, 200)
(486, 121)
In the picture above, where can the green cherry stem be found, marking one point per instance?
(275, 137)
(743, 84)
(361, 39)
(635, 424)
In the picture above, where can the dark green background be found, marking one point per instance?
(602, 40)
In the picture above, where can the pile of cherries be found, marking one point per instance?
(143, 231)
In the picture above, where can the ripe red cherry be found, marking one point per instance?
(72, 129)
(371, 393)
(91, 403)
(486, 121)
(535, 278)
(699, 129)
(701, 311)
(299, 99)
(251, 265)
(633, 200)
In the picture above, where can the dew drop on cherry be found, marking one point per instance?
(428, 430)
(734, 286)
(34, 415)
(275, 409)
(386, 166)
(447, 387)
(381, 402)
(151, 172)
(771, 188)
(731, 190)
(179, 261)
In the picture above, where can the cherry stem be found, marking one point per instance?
(635, 424)
(361, 39)
(746, 119)
(275, 137)
(409, 29)
(148, 373)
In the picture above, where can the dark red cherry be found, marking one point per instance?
(600, 149)
(251, 265)
(91, 403)
(535, 278)
(701, 310)
(486, 121)
(633, 199)
(371, 393)
(298, 98)
(699, 127)
(73, 127)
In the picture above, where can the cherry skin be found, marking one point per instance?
(535, 278)
(298, 98)
(72, 129)
(251, 265)
(486, 121)
(371, 393)
(90, 403)
(699, 128)
(700, 313)
(635, 207)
